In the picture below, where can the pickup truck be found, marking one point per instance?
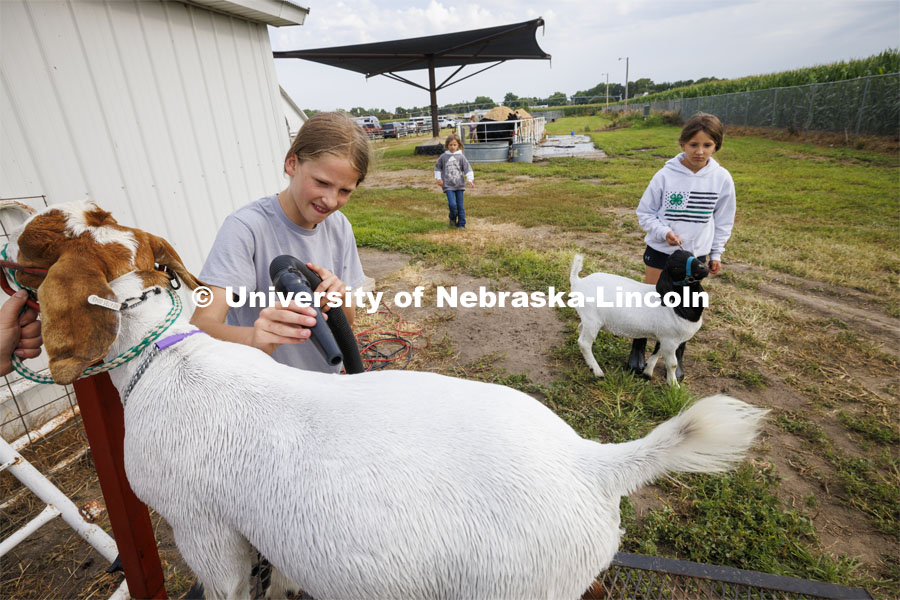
(394, 130)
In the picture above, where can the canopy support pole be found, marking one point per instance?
(435, 131)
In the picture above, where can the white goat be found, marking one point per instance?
(670, 326)
(380, 485)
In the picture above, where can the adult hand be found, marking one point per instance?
(715, 266)
(673, 239)
(19, 334)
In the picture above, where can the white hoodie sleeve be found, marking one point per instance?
(438, 166)
(470, 174)
(649, 208)
(723, 216)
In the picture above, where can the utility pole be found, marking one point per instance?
(626, 82)
(607, 92)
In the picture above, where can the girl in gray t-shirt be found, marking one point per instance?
(328, 159)
(452, 171)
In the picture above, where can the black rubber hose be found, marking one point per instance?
(339, 327)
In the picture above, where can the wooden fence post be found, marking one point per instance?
(104, 423)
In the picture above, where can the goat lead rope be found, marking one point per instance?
(123, 358)
(12, 272)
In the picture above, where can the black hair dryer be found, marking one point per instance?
(290, 275)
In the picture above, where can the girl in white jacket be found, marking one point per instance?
(690, 202)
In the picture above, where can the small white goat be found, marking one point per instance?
(672, 327)
(380, 485)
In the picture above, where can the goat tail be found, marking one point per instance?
(711, 436)
(577, 263)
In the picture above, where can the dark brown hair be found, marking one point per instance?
(708, 124)
(335, 134)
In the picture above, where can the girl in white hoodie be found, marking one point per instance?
(690, 202)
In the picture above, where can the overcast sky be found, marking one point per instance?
(666, 40)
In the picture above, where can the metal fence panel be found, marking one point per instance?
(880, 114)
(639, 577)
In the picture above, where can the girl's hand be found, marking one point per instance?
(440, 182)
(715, 266)
(472, 183)
(673, 239)
(330, 283)
(278, 325)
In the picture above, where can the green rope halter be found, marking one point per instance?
(121, 359)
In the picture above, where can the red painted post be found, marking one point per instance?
(104, 423)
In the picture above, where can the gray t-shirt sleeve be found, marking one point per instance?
(230, 260)
(353, 275)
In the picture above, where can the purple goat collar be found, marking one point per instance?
(152, 353)
(175, 338)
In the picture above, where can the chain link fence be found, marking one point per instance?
(864, 106)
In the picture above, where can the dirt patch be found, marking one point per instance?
(862, 312)
(886, 144)
(516, 341)
(423, 179)
(391, 180)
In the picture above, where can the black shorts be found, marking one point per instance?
(657, 260)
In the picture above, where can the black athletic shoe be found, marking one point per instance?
(636, 362)
(679, 354)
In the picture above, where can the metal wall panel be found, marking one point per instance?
(166, 114)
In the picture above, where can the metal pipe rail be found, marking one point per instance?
(524, 131)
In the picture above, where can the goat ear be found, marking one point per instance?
(664, 284)
(164, 254)
(76, 334)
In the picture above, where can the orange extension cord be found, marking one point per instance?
(389, 340)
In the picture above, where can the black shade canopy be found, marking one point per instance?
(490, 45)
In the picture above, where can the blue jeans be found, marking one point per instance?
(457, 210)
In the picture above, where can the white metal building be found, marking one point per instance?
(168, 114)
(293, 114)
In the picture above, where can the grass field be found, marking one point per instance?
(803, 321)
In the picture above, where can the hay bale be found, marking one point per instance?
(498, 113)
(521, 114)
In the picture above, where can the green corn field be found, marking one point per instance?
(879, 64)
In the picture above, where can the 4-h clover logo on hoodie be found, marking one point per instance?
(675, 199)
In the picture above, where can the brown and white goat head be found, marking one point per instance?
(84, 248)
